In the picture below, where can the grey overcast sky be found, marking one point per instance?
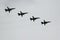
(14, 27)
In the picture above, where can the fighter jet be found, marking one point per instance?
(21, 13)
(45, 22)
(9, 9)
(34, 18)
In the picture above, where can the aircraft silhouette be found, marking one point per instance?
(45, 22)
(21, 13)
(9, 9)
(34, 18)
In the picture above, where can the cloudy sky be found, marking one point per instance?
(14, 27)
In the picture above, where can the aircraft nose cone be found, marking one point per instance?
(41, 22)
(5, 9)
(30, 18)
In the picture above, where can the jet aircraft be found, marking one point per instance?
(22, 14)
(9, 9)
(34, 18)
(45, 22)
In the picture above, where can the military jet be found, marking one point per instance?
(45, 22)
(9, 9)
(21, 13)
(34, 18)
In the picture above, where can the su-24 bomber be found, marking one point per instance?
(24, 13)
